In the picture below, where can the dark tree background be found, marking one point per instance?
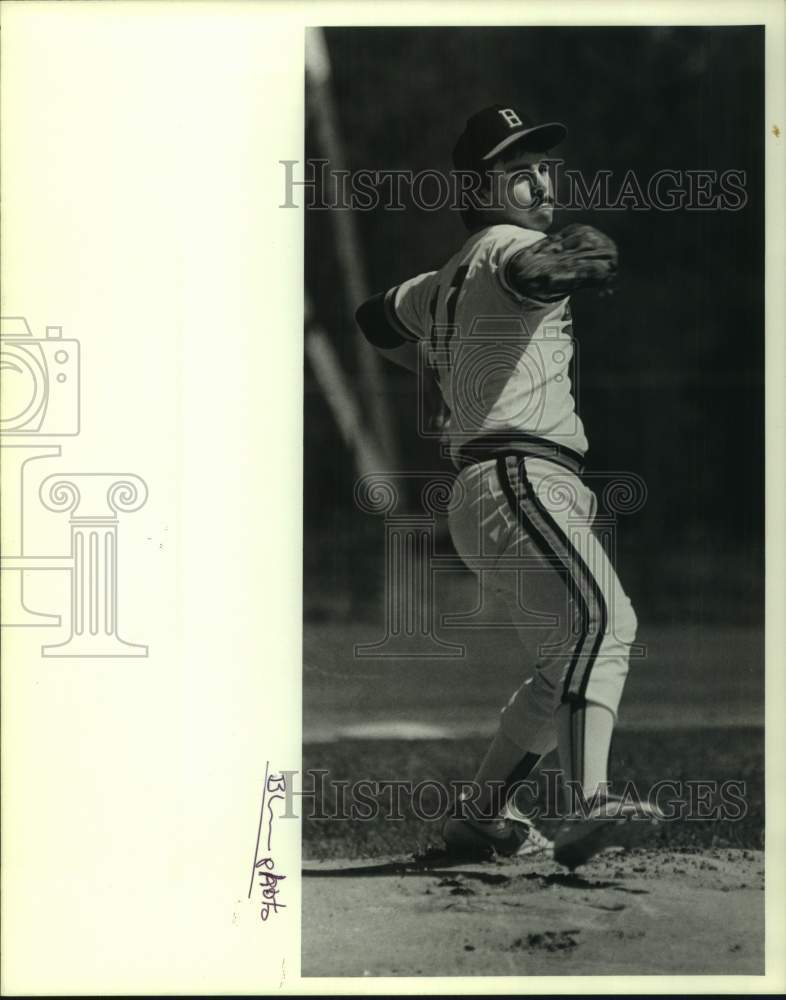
(671, 368)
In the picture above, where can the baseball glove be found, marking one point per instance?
(576, 257)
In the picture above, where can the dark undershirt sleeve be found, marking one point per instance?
(380, 324)
(373, 321)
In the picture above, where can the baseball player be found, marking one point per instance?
(493, 327)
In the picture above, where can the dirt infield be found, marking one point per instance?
(643, 912)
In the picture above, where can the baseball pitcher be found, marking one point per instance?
(493, 328)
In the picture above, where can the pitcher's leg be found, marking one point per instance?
(525, 735)
(527, 730)
(487, 536)
(556, 511)
(593, 685)
(527, 727)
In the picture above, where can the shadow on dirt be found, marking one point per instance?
(437, 867)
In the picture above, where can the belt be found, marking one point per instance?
(490, 446)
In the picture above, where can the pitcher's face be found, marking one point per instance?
(524, 191)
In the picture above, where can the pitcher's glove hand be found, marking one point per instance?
(576, 257)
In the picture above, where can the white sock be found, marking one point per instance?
(584, 733)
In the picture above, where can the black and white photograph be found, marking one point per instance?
(533, 672)
(391, 498)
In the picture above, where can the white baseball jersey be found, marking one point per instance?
(502, 361)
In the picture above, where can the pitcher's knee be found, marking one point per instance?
(622, 624)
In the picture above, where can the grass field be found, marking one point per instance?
(687, 676)
(644, 757)
(692, 711)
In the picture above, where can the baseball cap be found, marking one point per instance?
(494, 129)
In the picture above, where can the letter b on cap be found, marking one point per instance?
(510, 117)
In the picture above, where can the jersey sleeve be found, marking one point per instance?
(408, 306)
(503, 246)
(398, 316)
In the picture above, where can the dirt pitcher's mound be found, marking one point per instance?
(644, 912)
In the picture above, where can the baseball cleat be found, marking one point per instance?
(481, 840)
(611, 823)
